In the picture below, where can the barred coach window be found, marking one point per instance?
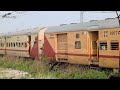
(77, 45)
(114, 45)
(14, 44)
(77, 35)
(25, 44)
(9, 44)
(103, 45)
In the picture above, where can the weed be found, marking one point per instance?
(39, 69)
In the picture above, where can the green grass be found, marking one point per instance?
(40, 69)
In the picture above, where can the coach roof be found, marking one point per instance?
(24, 32)
(92, 25)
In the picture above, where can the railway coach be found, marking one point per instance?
(25, 43)
(88, 43)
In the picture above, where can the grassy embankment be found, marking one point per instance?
(40, 69)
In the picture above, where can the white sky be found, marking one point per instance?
(47, 18)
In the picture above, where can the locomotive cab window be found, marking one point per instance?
(103, 45)
(77, 45)
(114, 45)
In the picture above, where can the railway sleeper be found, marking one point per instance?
(96, 67)
(58, 64)
(52, 65)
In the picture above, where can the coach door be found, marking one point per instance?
(29, 42)
(62, 47)
(94, 49)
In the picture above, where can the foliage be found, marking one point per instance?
(40, 69)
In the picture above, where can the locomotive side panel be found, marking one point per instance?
(109, 48)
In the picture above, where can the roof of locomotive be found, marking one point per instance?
(23, 32)
(88, 26)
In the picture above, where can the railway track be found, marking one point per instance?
(85, 67)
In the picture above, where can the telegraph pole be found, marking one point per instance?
(81, 16)
(118, 16)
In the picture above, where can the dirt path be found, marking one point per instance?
(7, 73)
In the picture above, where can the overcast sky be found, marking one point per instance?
(32, 19)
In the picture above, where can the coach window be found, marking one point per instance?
(9, 44)
(19, 44)
(14, 44)
(114, 45)
(22, 44)
(25, 44)
(77, 45)
(103, 45)
(77, 35)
